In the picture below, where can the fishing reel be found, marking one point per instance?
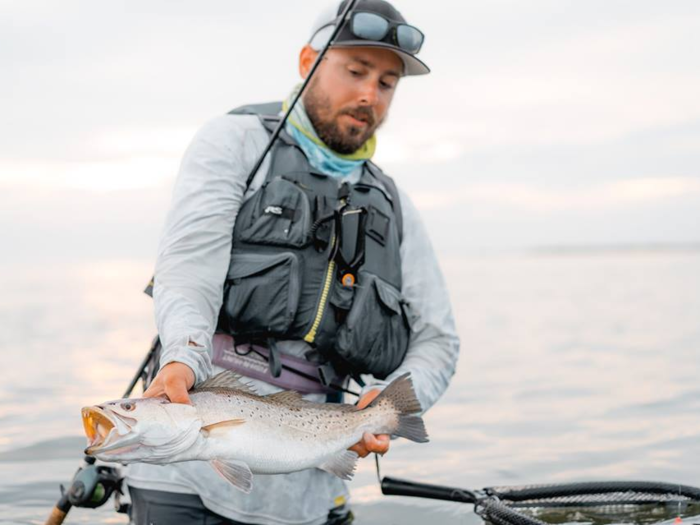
(93, 485)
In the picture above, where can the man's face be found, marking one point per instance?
(350, 94)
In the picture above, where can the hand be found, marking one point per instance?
(378, 443)
(173, 381)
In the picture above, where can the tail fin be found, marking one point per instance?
(401, 396)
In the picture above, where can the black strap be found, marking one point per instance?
(268, 113)
(390, 186)
(274, 363)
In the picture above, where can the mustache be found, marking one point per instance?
(361, 113)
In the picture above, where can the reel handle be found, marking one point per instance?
(59, 512)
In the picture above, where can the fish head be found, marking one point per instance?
(147, 429)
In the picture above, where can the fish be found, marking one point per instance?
(241, 433)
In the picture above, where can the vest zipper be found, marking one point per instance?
(323, 300)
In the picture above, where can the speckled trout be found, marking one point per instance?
(242, 433)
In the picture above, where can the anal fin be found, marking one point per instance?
(342, 465)
(235, 472)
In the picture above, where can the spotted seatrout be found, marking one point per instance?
(242, 433)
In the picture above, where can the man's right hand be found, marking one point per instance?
(173, 381)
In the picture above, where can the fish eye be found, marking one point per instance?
(128, 406)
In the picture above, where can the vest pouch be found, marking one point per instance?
(375, 336)
(261, 294)
(279, 214)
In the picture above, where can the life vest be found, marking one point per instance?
(317, 259)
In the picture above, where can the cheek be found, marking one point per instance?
(383, 107)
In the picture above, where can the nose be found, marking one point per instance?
(369, 93)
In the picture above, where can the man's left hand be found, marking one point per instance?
(378, 443)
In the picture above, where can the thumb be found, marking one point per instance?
(366, 399)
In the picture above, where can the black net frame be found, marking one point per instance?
(606, 493)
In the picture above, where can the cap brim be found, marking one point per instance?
(412, 65)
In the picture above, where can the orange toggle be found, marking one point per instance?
(348, 280)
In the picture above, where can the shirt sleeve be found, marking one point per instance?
(194, 250)
(433, 349)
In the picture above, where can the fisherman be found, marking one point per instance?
(313, 270)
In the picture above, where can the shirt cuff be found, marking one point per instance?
(196, 357)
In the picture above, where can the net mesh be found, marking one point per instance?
(595, 502)
(596, 494)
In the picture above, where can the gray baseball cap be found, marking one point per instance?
(401, 38)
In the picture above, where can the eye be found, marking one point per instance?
(354, 72)
(128, 406)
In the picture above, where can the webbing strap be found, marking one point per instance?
(390, 186)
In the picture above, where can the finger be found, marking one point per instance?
(378, 444)
(176, 390)
(154, 390)
(383, 443)
(360, 450)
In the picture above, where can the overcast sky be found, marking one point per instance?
(546, 122)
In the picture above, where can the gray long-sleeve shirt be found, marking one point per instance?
(193, 259)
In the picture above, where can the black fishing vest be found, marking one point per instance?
(318, 260)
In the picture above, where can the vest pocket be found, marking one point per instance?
(279, 215)
(261, 293)
(375, 336)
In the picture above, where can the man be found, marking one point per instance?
(329, 269)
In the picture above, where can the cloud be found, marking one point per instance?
(533, 109)
(598, 83)
(140, 141)
(534, 199)
(102, 176)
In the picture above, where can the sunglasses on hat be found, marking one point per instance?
(377, 28)
(372, 26)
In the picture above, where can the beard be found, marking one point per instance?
(343, 141)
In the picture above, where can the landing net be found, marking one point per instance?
(596, 503)
(593, 502)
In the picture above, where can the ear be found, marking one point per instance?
(307, 57)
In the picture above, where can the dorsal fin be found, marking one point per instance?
(294, 399)
(226, 380)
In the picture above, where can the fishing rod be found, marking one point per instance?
(92, 485)
(342, 20)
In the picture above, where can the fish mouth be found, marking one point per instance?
(98, 426)
(104, 430)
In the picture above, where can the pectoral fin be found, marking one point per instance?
(342, 465)
(235, 472)
(221, 425)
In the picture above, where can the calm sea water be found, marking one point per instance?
(574, 367)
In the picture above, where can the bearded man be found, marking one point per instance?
(300, 275)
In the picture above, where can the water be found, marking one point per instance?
(578, 366)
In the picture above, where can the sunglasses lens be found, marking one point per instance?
(409, 38)
(369, 26)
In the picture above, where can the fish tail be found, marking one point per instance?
(401, 396)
